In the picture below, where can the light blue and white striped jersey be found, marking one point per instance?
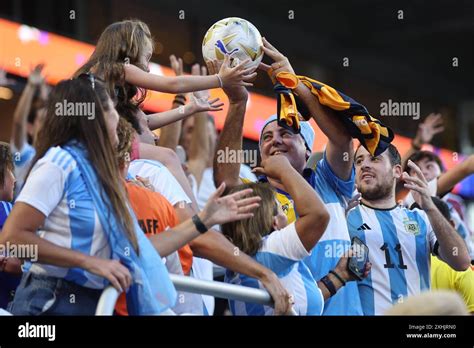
(399, 241)
(56, 188)
(335, 241)
(22, 159)
(281, 252)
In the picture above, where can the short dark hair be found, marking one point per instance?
(420, 155)
(440, 204)
(6, 161)
(393, 154)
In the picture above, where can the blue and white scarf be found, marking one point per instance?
(152, 291)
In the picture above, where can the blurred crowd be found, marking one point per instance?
(96, 192)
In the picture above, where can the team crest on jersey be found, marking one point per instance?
(412, 227)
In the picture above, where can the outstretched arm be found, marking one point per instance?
(18, 137)
(226, 77)
(449, 179)
(452, 248)
(340, 148)
(231, 135)
(432, 125)
(218, 210)
(196, 105)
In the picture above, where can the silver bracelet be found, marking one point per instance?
(221, 85)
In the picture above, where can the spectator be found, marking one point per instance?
(443, 276)
(333, 179)
(73, 197)
(27, 120)
(281, 246)
(10, 267)
(157, 216)
(400, 240)
(440, 182)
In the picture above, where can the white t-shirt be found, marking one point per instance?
(56, 188)
(161, 178)
(282, 252)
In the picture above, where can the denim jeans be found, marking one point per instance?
(45, 295)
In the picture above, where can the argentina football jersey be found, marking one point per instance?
(400, 242)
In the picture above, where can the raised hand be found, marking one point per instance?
(236, 76)
(418, 186)
(234, 93)
(36, 78)
(274, 167)
(280, 62)
(237, 206)
(204, 104)
(176, 65)
(432, 125)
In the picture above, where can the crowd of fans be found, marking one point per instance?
(103, 200)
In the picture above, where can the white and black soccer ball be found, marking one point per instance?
(235, 36)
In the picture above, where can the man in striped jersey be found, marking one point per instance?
(400, 240)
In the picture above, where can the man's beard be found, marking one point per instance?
(379, 191)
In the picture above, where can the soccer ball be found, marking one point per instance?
(235, 36)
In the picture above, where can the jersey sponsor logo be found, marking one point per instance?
(364, 227)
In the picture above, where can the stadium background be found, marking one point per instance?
(402, 51)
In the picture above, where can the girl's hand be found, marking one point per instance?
(237, 206)
(117, 274)
(204, 104)
(236, 76)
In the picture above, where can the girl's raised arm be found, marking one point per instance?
(227, 77)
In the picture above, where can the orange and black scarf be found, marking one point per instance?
(371, 133)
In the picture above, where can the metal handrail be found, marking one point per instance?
(110, 295)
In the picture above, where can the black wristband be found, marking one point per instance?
(343, 282)
(199, 224)
(329, 285)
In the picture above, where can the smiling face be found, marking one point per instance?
(376, 176)
(277, 140)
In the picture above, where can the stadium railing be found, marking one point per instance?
(110, 295)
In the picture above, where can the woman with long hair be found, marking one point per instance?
(74, 214)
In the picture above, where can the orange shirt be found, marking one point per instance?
(154, 214)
